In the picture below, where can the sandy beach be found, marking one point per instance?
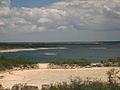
(43, 75)
(27, 49)
(17, 50)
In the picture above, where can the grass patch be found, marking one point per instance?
(111, 62)
(80, 62)
(9, 63)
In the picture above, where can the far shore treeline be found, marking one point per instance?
(9, 45)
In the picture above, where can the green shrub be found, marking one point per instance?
(115, 62)
(9, 63)
(80, 62)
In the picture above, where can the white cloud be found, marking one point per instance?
(65, 28)
(62, 15)
(4, 3)
(43, 20)
(2, 23)
(4, 11)
(41, 29)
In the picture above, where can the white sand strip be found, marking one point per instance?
(29, 49)
(17, 50)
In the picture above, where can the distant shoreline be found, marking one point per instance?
(17, 50)
(28, 49)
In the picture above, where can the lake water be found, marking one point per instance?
(93, 52)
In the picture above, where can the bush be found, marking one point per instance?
(112, 62)
(9, 63)
(80, 62)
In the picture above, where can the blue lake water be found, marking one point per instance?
(92, 52)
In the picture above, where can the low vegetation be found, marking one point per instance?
(10, 63)
(80, 62)
(115, 62)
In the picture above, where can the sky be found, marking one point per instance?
(59, 20)
(31, 3)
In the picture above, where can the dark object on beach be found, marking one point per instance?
(45, 86)
(2, 88)
(24, 87)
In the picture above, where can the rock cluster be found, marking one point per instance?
(64, 66)
(20, 87)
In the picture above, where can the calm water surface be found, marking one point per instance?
(92, 52)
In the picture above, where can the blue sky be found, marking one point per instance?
(31, 3)
(59, 20)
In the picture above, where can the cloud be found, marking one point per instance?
(43, 20)
(5, 3)
(70, 15)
